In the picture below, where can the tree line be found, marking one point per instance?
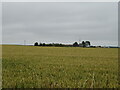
(75, 44)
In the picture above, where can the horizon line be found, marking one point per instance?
(58, 43)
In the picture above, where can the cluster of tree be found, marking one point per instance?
(83, 44)
(51, 44)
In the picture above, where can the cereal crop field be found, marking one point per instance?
(59, 67)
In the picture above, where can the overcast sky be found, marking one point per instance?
(50, 22)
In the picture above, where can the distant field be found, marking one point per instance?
(59, 67)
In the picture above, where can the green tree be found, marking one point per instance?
(44, 44)
(36, 44)
(83, 44)
(75, 44)
(87, 43)
(40, 44)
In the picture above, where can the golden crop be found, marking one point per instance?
(59, 67)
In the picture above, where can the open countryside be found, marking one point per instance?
(59, 67)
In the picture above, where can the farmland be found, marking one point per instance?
(59, 67)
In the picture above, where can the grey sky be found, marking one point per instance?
(60, 22)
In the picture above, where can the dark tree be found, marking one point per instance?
(36, 44)
(87, 43)
(60, 45)
(43, 44)
(75, 44)
(50, 44)
(83, 44)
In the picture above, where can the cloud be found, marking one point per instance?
(60, 22)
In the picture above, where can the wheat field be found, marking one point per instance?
(59, 67)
